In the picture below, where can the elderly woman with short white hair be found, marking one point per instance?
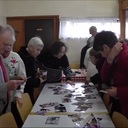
(28, 55)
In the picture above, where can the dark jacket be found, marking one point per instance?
(31, 66)
(55, 66)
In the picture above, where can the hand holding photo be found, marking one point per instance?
(43, 74)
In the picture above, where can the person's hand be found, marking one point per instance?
(112, 91)
(70, 82)
(19, 101)
(41, 80)
(21, 78)
(87, 81)
(13, 84)
(114, 52)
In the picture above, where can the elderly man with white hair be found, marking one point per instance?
(28, 55)
(93, 32)
(14, 63)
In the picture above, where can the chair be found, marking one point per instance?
(119, 120)
(7, 121)
(25, 109)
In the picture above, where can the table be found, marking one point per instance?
(61, 119)
(79, 77)
(39, 121)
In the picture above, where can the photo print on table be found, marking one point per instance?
(52, 120)
(75, 117)
(91, 122)
(42, 111)
(81, 99)
(50, 104)
(66, 100)
(90, 96)
(60, 108)
(87, 90)
(83, 104)
(83, 107)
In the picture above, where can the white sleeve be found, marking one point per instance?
(21, 71)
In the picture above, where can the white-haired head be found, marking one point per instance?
(12, 33)
(93, 30)
(35, 46)
(35, 42)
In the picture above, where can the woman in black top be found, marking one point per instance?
(56, 60)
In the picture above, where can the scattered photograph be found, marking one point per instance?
(79, 108)
(50, 104)
(90, 96)
(66, 100)
(92, 122)
(69, 95)
(60, 108)
(87, 90)
(42, 111)
(52, 120)
(81, 98)
(51, 87)
(75, 117)
(83, 104)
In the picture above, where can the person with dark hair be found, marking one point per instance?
(54, 60)
(114, 69)
(93, 32)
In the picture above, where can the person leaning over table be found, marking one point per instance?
(6, 85)
(114, 69)
(14, 64)
(29, 56)
(92, 72)
(97, 60)
(55, 61)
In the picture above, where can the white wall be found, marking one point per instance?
(2, 14)
(64, 8)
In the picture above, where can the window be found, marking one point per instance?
(79, 28)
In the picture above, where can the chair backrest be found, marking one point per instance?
(25, 109)
(7, 121)
(119, 120)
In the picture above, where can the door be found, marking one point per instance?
(43, 28)
(47, 27)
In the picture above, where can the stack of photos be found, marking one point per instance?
(87, 90)
(66, 100)
(75, 117)
(86, 97)
(45, 107)
(61, 90)
(60, 108)
(81, 122)
(91, 122)
(82, 106)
